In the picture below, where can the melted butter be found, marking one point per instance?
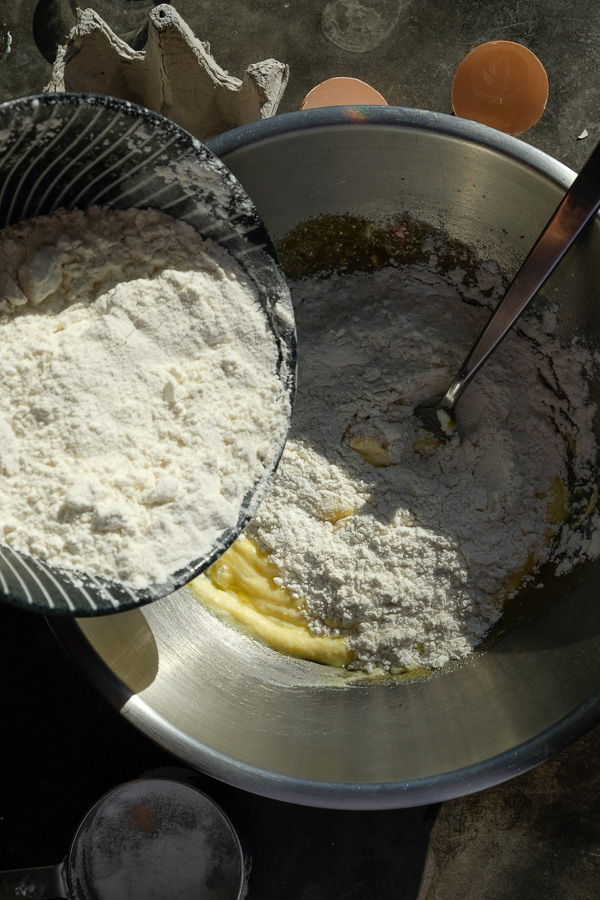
(426, 446)
(558, 502)
(556, 513)
(241, 586)
(514, 581)
(382, 676)
(377, 454)
(372, 450)
(337, 513)
(589, 509)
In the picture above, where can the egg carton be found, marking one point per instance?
(174, 74)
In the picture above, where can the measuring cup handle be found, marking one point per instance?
(42, 883)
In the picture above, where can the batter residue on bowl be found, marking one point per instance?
(395, 552)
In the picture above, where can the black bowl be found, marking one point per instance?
(79, 150)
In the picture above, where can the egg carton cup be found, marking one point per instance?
(175, 74)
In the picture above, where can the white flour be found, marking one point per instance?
(140, 400)
(411, 560)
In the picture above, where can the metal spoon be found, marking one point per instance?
(577, 208)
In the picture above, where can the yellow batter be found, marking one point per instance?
(240, 584)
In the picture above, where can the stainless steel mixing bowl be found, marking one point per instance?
(287, 728)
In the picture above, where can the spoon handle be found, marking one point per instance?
(576, 209)
(41, 883)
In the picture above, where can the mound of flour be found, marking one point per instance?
(411, 558)
(140, 401)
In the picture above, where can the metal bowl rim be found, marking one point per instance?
(392, 117)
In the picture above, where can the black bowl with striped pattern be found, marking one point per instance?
(79, 150)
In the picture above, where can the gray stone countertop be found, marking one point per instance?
(537, 836)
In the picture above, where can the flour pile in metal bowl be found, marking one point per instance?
(401, 551)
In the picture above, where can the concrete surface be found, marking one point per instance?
(537, 836)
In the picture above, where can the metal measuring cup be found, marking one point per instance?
(144, 840)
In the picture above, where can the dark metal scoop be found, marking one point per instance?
(575, 211)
